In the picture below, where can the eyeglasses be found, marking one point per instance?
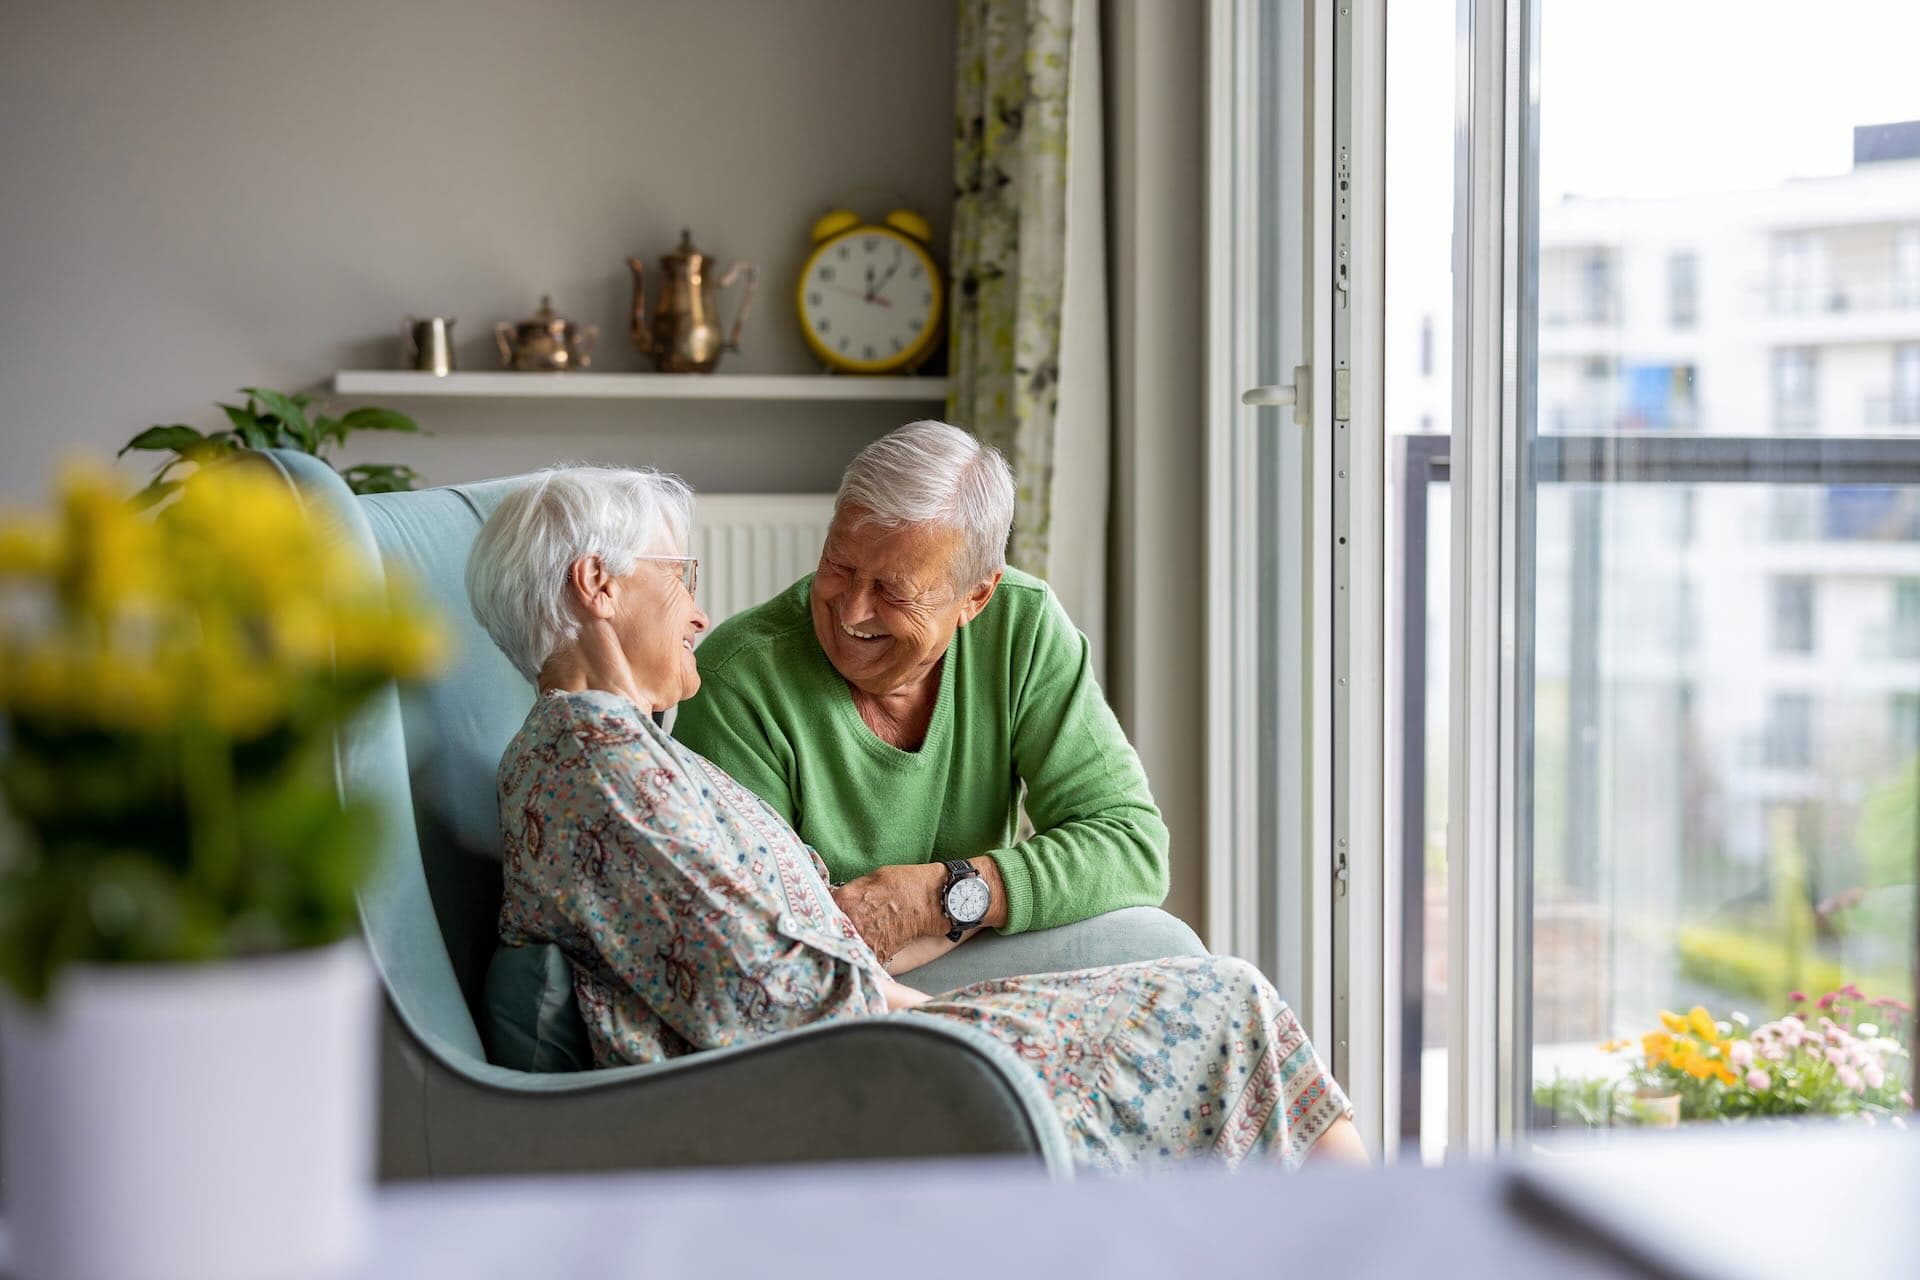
(686, 568)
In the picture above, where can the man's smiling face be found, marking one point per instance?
(885, 607)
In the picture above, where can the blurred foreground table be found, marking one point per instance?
(1673, 1205)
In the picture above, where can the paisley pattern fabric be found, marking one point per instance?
(694, 918)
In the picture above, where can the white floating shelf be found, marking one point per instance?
(638, 386)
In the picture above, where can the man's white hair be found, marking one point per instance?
(517, 570)
(931, 473)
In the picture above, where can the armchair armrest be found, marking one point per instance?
(896, 1087)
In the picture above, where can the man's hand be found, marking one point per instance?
(894, 905)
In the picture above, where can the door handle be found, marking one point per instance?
(1280, 394)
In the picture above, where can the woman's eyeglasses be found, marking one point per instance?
(685, 568)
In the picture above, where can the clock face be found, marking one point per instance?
(967, 900)
(870, 300)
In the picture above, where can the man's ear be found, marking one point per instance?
(978, 597)
(591, 587)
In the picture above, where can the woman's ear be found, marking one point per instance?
(591, 587)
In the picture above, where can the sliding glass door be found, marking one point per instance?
(1667, 495)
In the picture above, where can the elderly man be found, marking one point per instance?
(893, 704)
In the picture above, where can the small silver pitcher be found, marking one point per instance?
(430, 344)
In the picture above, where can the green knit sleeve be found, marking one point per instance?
(1099, 842)
(731, 728)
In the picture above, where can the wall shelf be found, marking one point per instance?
(637, 386)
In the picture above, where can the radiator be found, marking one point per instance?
(753, 545)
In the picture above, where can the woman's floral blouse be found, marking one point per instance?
(695, 919)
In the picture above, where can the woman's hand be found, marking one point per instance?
(901, 996)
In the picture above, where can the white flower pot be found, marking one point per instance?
(192, 1121)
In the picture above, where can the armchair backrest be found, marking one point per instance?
(428, 760)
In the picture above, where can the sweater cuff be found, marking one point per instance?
(1017, 880)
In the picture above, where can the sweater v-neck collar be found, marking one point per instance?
(879, 747)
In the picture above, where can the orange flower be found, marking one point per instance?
(1673, 1022)
(1614, 1046)
(1658, 1046)
(1703, 1025)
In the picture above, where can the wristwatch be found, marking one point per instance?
(965, 898)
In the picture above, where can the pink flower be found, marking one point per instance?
(1741, 1054)
(1826, 1001)
(1759, 1081)
(1852, 991)
(1873, 1075)
(1837, 1058)
(1798, 997)
(1849, 1078)
(1774, 1053)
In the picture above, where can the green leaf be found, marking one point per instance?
(257, 436)
(157, 492)
(380, 477)
(330, 430)
(177, 436)
(293, 419)
(240, 418)
(218, 445)
(375, 419)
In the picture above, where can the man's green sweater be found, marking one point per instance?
(1018, 705)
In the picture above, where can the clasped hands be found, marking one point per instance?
(897, 910)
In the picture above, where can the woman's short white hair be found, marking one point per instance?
(929, 472)
(517, 570)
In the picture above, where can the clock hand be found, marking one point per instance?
(851, 292)
(873, 289)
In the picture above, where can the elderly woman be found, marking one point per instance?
(693, 917)
(897, 706)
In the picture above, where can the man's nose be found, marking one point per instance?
(859, 599)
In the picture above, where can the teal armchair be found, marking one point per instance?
(884, 1088)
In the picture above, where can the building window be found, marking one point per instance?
(1906, 385)
(1596, 288)
(1906, 267)
(1789, 737)
(1796, 388)
(1793, 615)
(1904, 728)
(1796, 513)
(1906, 619)
(1799, 269)
(1683, 290)
(1426, 346)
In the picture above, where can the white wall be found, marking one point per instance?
(196, 196)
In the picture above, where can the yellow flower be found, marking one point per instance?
(1703, 1026)
(1658, 1046)
(1614, 1046)
(1673, 1022)
(27, 548)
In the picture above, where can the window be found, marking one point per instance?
(1596, 288)
(1903, 407)
(1789, 732)
(1906, 267)
(1793, 615)
(1683, 290)
(1799, 274)
(1795, 388)
(1904, 639)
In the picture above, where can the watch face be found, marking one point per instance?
(868, 300)
(967, 900)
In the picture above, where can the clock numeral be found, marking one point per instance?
(870, 243)
(825, 325)
(844, 342)
(813, 299)
(896, 344)
(918, 323)
(844, 253)
(926, 299)
(826, 274)
(915, 272)
(866, 353)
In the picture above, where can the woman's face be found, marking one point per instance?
(884, 605)
(656, 621)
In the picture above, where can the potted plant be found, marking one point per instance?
(1841, 1057)
(273, 420)
(187, 1016)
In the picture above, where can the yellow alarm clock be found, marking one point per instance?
(870, 295)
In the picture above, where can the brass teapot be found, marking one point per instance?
(684, 335)
(545, 342)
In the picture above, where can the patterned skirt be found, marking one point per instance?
(1162, 1060)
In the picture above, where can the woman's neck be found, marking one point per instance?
(595, 661)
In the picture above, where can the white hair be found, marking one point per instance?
(517, 570)
(931, 473)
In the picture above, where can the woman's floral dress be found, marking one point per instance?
(694, 918)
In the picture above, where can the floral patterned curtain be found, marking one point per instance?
(1010, 225)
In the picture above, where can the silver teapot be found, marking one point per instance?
(545, 342)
